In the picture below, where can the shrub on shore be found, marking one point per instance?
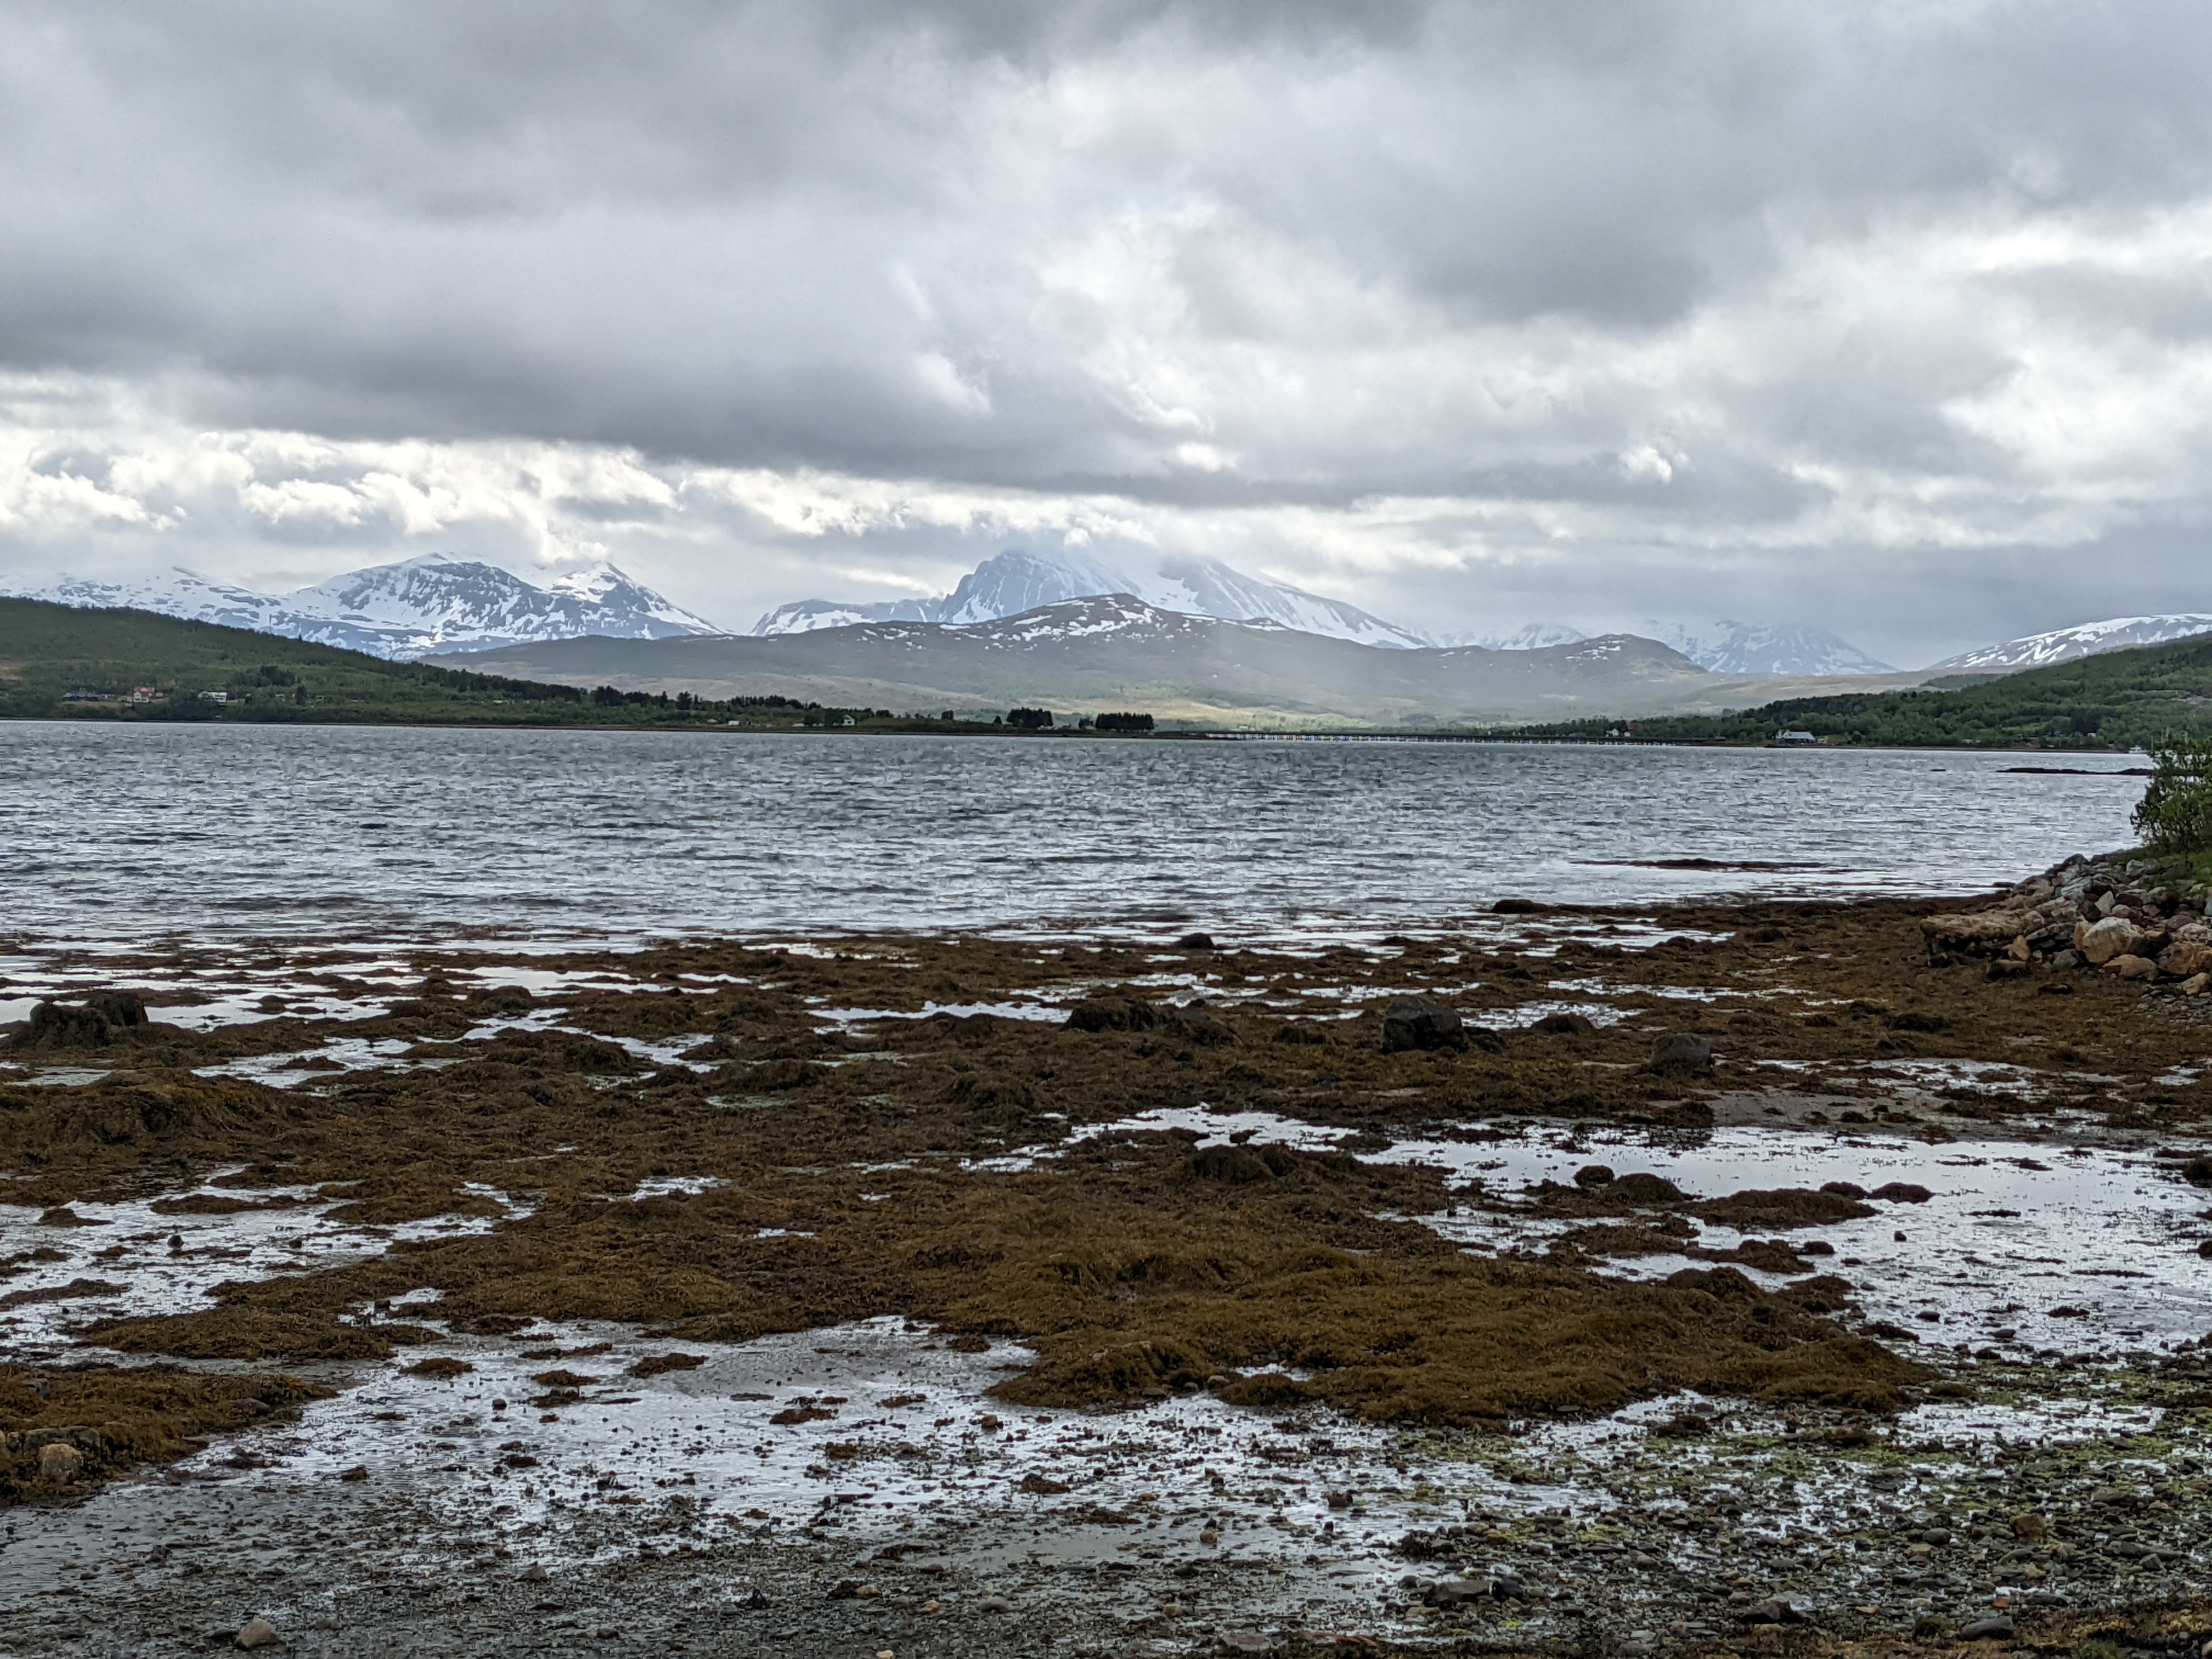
(2175, 814)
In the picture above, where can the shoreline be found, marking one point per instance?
(492, 1163)
(965, 728)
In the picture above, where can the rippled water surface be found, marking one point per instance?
(124, 833)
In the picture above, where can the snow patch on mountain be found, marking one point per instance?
(432, 604)
(1532, 636)
(2083, 640)
(804, 616)
(1014, 583)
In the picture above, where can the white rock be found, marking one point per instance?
(2100, 941)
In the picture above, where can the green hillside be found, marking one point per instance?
(58, 662)
(2118, 700)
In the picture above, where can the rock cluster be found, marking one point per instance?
(2135, 918)
(97, 1020)
(55, 1455)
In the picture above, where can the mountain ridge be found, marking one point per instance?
(2081, 639)
(408, 610)
(1732, 646)
(1117, 652)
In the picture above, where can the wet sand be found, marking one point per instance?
(968, 1295)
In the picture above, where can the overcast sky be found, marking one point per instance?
(1894, 318)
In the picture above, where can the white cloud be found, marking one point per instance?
(1466, 310)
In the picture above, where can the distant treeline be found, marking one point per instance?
(1040, 720)
(2118, 700)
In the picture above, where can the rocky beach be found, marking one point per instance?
(1744, 1276)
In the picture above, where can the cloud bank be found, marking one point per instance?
(1895, 317)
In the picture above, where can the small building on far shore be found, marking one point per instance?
(1795, 738)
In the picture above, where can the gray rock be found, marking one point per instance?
(1996, 1626)
(1243, 1641)
(258, 1632)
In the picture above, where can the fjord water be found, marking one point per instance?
(127, 834)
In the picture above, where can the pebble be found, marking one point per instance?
(534, 1573)
(258, 1632)
(994, 1604)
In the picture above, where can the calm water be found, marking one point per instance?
(127, 833)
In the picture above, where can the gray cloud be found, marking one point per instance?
(1716, 292)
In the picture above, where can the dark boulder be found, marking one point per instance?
(1642, 1188)
(1564, 1025)
(1198, 1025)
(1421, 1022)
(1682, 1051)
(1783, 1208)
(1902, 1191)
(1237, 1166)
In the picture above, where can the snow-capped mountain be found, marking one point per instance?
(2117, 633)
(1207, 587)
(179, 594)
(433, 604)
(1727, 647)
(1011, 583)
(1014, 582)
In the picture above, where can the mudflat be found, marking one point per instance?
(1633, 1281)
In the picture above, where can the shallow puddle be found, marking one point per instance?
(2026, 1245)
